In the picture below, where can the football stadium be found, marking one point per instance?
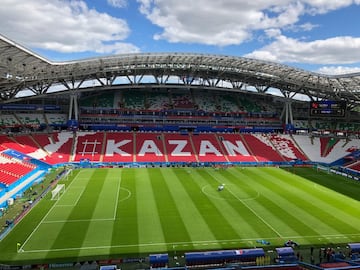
(176, 160)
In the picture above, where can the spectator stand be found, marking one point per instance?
(26, 173)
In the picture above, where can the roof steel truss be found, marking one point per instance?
(22, 71)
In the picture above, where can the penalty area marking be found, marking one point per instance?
(127, 196)
(120, 199)
(44, 221)
(82, 189)
(46, 215)
(95, 219)
(78, 220)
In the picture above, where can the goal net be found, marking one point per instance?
(322, 168)
(59, 190)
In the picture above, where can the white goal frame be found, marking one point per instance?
(322, 168)
(57, 192)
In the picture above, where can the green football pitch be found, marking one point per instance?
(129, 211)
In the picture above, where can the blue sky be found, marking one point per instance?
(315, 35)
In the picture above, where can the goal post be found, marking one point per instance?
(68, 173)
(322, 168)
(57, 191)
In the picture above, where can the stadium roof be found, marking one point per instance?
(24, 73)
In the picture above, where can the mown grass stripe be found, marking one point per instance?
(35, 238)
(218, 225)
(277, 209)
(347, 208)
(107, 198)
(280, 194)
(319, 219)
(315, 204)
(149, 223)
(277, 189)
(172, 224)
(125, 229)
(197, 228)
(338, 183)
(75, 233)
(233, 207)
(99, 231)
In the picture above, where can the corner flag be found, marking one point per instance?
(18, 245)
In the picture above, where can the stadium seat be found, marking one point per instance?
(25, 144)
(205, 101)
(355, 166)
(227, 103)
(134, 100)
(56, 118)
(314, 148)
(103, 100)
(8, 120)
(235, 148)
(262, 148)
(157, 101)
(179, 148)
(207, 148)
(31, 119)
(286, 147)
(119, 147)
(89, 146)
(11, 169)
(56, 148)
(181, 101)
(150, 147)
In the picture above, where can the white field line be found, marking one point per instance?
(82, 191)
(79, 196)
(248, 207)
(77, 220)
(329, 237)
(243, 240)
(43, 219)
(117, 199)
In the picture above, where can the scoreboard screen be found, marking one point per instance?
(328, 108)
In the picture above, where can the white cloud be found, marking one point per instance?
(302, 27)
(337, 70)
(337, 50)
(118, 48)
(323, 6)
(63, 26)
(117, 3)
(230, 22)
